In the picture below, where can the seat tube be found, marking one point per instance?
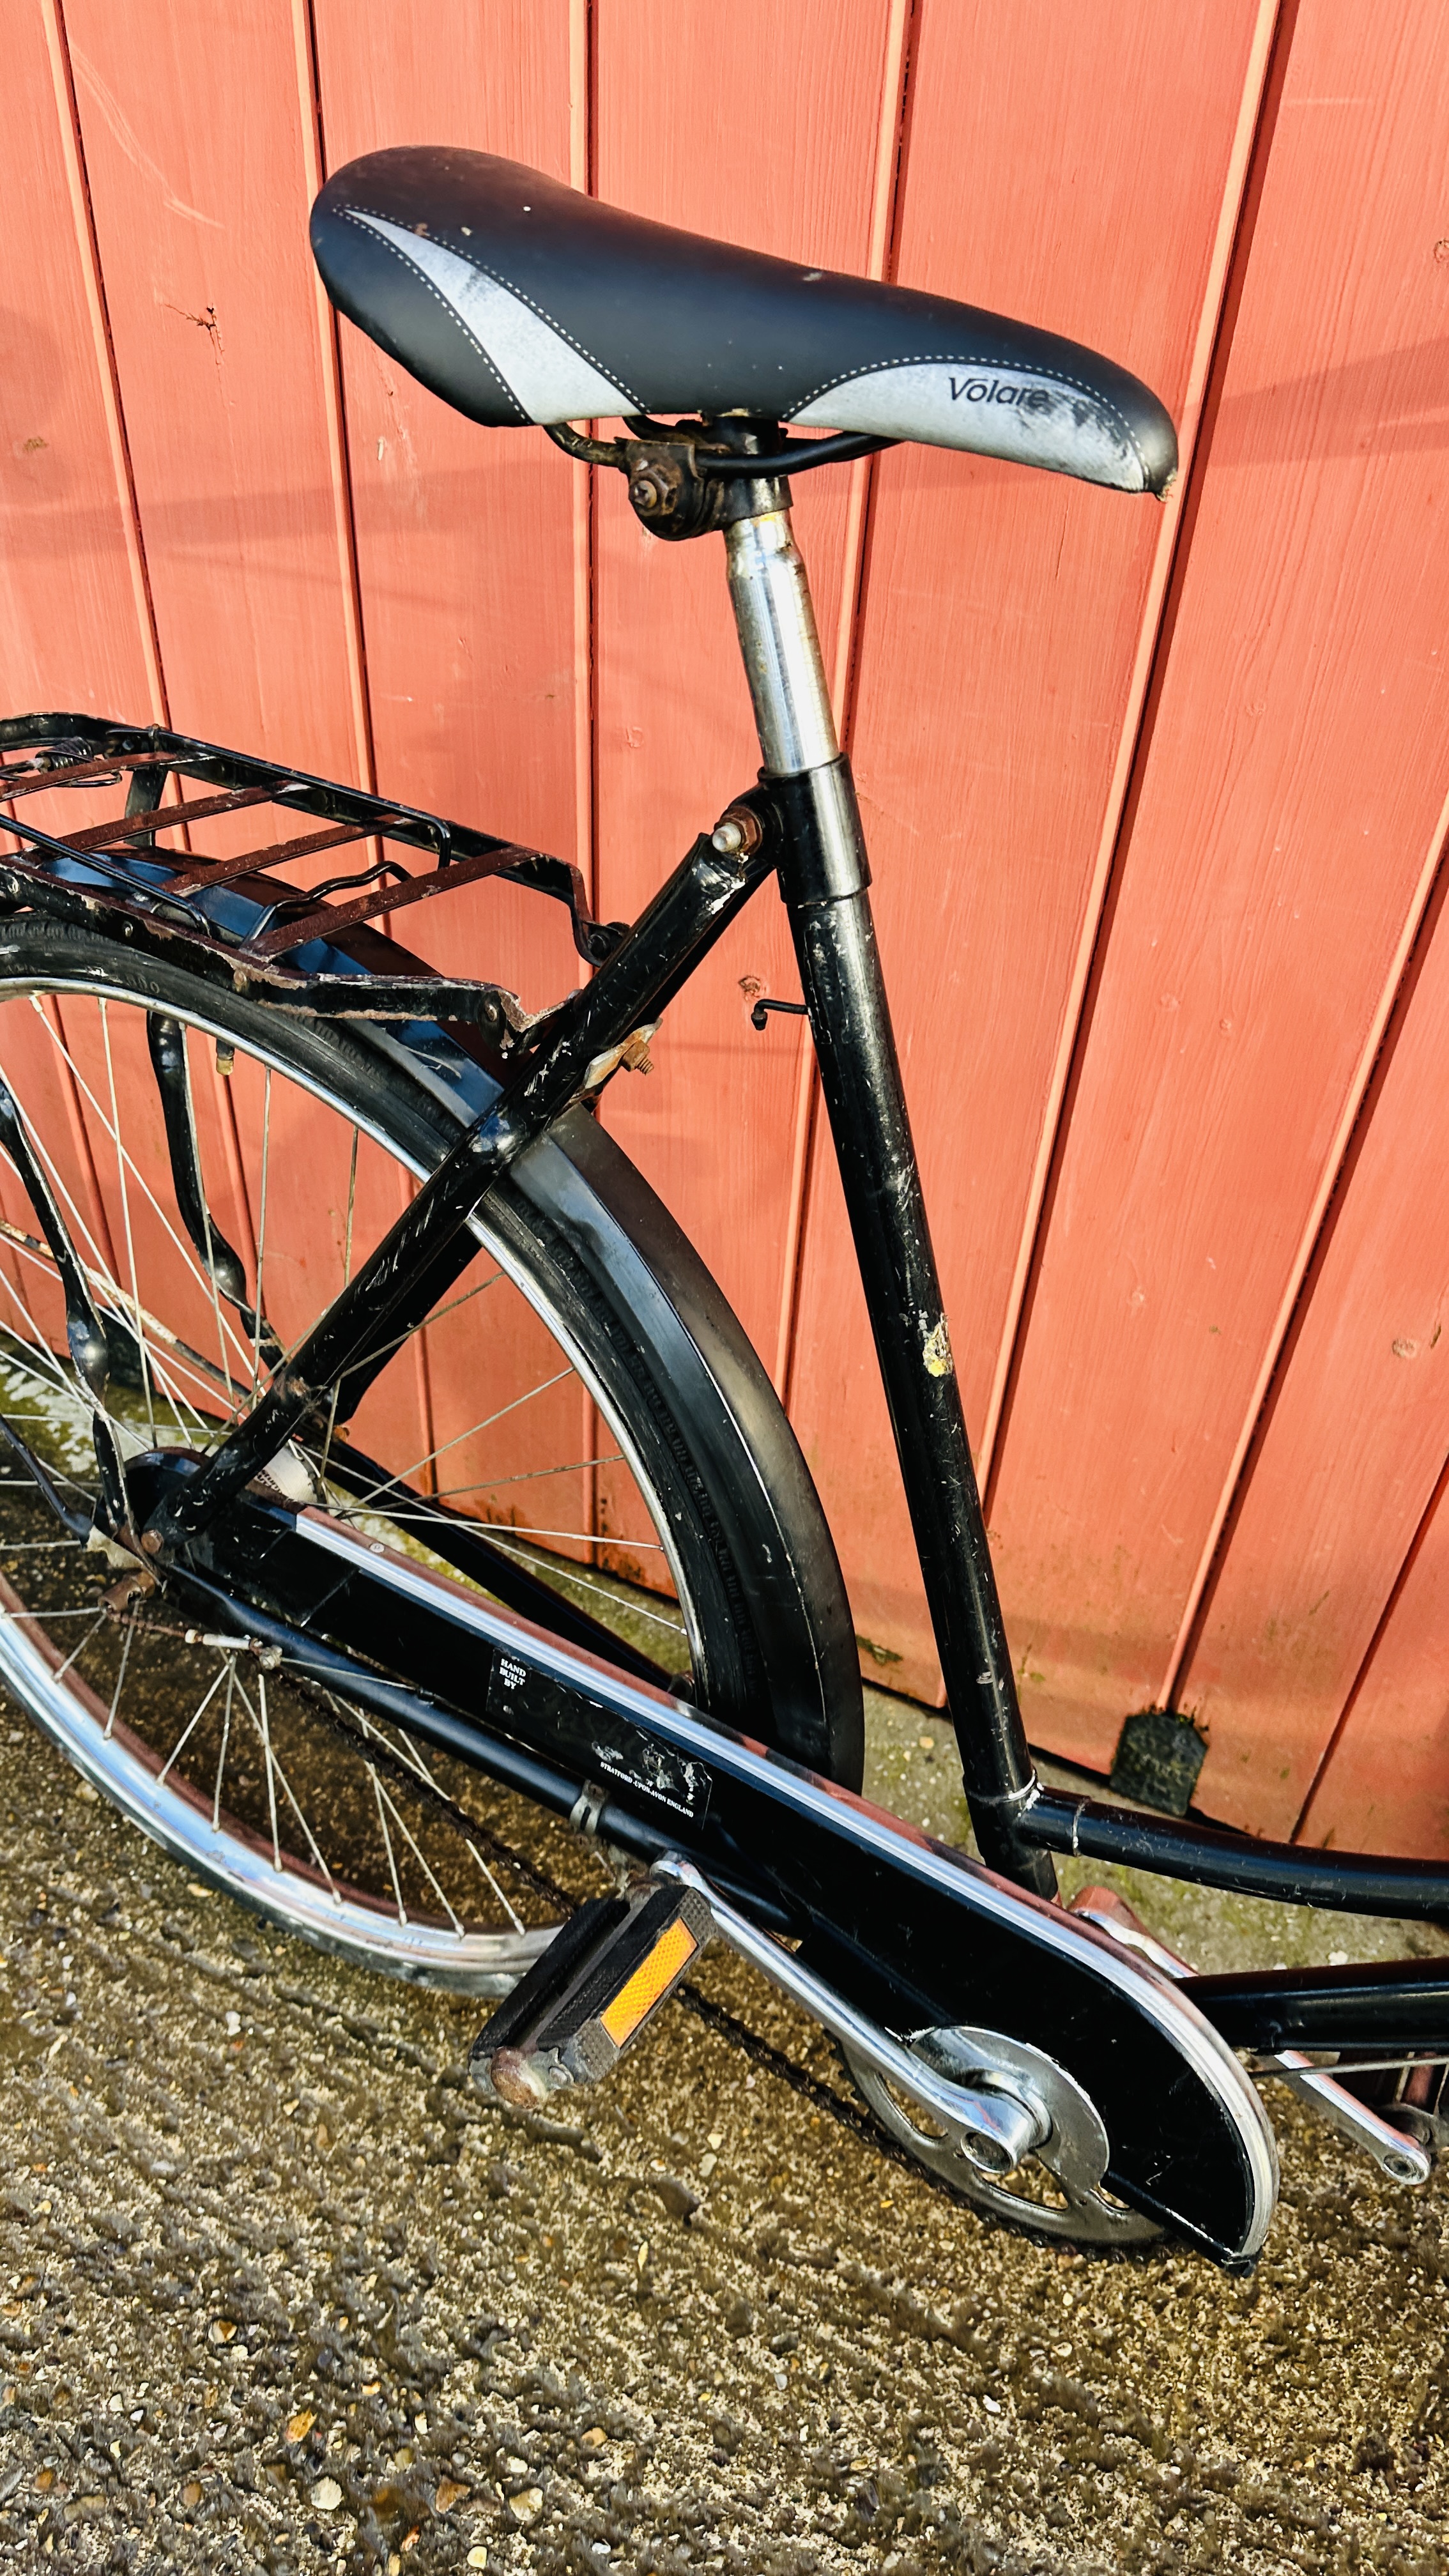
(824, 876)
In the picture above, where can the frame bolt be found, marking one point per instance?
(737, 833)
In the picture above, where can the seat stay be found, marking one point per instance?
(574, 1054)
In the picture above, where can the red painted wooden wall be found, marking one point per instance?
(1157, 798)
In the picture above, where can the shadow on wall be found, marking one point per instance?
(1390, 405)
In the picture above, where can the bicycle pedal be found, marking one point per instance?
(586, 2000)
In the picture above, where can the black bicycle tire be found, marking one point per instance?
(775, 1651)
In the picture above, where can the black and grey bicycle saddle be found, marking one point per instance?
(517, 299)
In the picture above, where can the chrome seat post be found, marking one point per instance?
(775, 621)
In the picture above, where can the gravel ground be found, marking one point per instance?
(277, 2289)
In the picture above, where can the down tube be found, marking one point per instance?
(823, 877)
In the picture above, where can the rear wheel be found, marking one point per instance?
(578, 1428)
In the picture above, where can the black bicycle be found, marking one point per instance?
(387, 1482)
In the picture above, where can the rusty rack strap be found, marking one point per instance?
(82, 773)
(116, 870)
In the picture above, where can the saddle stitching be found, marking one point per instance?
(939, 358)
(354, 213)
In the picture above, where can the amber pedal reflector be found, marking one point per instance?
(671, 1952)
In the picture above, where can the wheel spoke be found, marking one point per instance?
(500, 1536)
(401, 1822)
(121, 1161)
(57, 1179)
(179, 1354)
(514, 1918)
(532, 1475)
(263, 1726)
(182, 1246)
(521, 1543)
(197, 1715)
(387, 1841)
(385, 1349)
(404, 1750)
(225, 1741)
(346, 1281)
(71, 1386)
(126, 1644)
(226, 1768)
(361, 1501)
(262, 1229)
(98, 1622)
(274, 1764)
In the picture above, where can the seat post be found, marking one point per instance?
(775, 621)
(824, 876)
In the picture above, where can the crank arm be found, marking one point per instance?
(606, 1973)
(996, 2125)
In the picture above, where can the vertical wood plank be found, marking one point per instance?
(467, 538)
(841, 660)
(714, 1128)
(1385, 1786)
(304, 55)
(1001, 662)
(474, 577)
(201, 148)
(74, 617)
(194, 152)
(1350, 1455)
(1278, 852)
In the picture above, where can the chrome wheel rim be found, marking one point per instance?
(75, 1667)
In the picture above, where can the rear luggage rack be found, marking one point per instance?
(161, 893)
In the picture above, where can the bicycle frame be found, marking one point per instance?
(800, 824)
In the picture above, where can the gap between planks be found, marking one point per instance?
(884, 224)
(57, 44)
(1241, 159)
(1348, 1117)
